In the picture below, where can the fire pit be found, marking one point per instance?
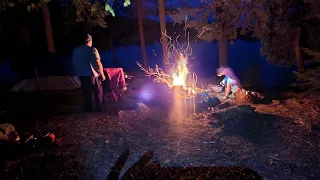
(183, 99)
(181, 81)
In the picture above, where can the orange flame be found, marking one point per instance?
(180, 75)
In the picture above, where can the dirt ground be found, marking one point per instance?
(279, 140)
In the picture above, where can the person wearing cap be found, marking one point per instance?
(89, 69)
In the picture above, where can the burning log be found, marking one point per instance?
(177, 92)
(192, 102)
(183, 100)
(181, 82)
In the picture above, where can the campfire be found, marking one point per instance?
(179, 76)
(179, 80)
(181, 72)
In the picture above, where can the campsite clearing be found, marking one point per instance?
(274, 140)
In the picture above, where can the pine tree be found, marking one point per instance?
(141, 33)
(225, 20)
(92, 12)
(287, 19)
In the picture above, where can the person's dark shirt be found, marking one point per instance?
(84, 59)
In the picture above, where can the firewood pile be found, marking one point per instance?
(243, 96)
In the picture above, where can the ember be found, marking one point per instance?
(179, 79)
(178, 59)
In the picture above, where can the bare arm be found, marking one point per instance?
(227, 91)
(100, 66)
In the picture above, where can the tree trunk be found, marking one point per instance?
(48, 29)
(223, 51)
(142, 41)
(299, 60)
(113, 52)
(164, 39)
(26, 37)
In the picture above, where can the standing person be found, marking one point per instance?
(86, 60)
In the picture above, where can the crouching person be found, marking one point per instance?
(230, 82)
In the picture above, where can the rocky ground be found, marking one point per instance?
(279, 140)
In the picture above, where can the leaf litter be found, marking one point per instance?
(268, 139)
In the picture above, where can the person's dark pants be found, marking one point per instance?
(89, 85)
